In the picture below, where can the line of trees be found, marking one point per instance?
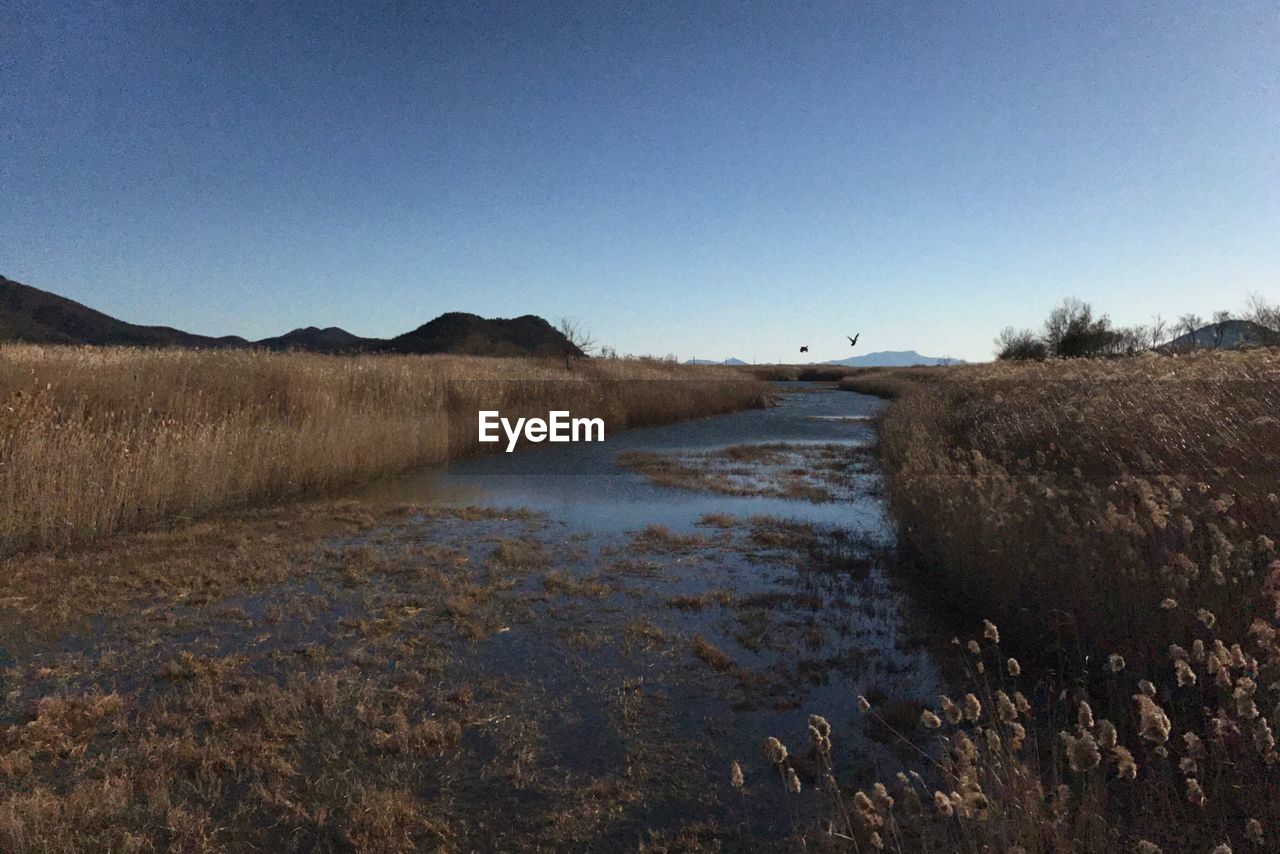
(1074, 330)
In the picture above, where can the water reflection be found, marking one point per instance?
(582, 486)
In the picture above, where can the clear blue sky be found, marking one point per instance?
(704, 179)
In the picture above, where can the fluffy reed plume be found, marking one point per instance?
(1098, 493)
(94, 441)
(992, 787)
(1121, 512)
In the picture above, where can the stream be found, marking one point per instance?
(565, 647)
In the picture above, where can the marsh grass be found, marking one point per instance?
(1118, 519)
(98, 441)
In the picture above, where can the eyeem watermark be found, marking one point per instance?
(559, 426)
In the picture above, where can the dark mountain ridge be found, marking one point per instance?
(1228, 335)
(30, 314)
(39, 317)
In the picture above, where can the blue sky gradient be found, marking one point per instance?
(703, 179)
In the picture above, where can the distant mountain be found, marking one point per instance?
(39, 317)
(729, 361)
(328, 340)
(1229, 335)
(892, 359)
(457, 332)
(30, 314)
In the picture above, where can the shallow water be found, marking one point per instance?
(621, 647)
(582, 486)
(821, 635)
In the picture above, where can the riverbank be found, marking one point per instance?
(97, 441)
(1117, 520)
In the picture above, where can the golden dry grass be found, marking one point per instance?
(1119, 519)
(1077, 496)
(97, 441)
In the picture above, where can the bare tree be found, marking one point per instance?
(1263, 313)
(1218, 329)
(1190, 324)
(1073, 312)
(1072, 331)
(1156, 331)
(1130, 339)
(577, 336)
(1020, 345)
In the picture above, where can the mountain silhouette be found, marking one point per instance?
(469, 334)
(1229, 335)
(39, 317)
(328, 340)
(893, 359)
(36, 316)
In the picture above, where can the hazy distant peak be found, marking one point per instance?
(893, 359)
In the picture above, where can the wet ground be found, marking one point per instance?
(542, 649)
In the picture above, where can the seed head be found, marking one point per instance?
(1253, 831)
(1020, 701)
(990, 632)
(1154, 723)
(1015, 669)
(881, 796)
(950, 710)
(735, 775)
(1262, 737)
(775, 751)
(1115, 662)
(1006, 712)
(1126, 767)
(1082, 752)
(929, 720)
(1105, 732)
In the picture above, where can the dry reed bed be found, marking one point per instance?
(98, 441)
(1119, 518)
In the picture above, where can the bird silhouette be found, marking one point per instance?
(804, 349)
(853, 342)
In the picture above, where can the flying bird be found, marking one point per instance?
(804, 349)
(853, 342)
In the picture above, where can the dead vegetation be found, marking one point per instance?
(1119, 519)
(98, 441)
(818, 473)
